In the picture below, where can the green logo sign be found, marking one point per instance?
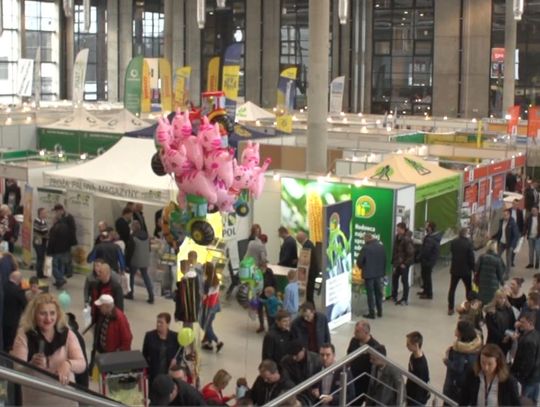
(419, 168)
(365, 207)
(383, 173)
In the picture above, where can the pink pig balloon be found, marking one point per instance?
(164, 134)
(219, 163)
(174, 161)
(242, 177)
(193, 181)
(209, 136)
(257, 182)
(250, 156)
(225, 199)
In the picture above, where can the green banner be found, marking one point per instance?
(133, 85)
(373, 212)
(438, 188)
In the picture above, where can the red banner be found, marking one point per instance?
(483, 190)
(533, 126)
(513, 112)
(471, 194)
(498, 186)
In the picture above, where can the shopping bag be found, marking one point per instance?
(47, 266)
(87, 316)
(124, 281)
(519, 244)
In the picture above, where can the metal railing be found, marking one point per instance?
(45, 386)
(344, 381)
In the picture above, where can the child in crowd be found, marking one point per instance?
(418, 366)
(292, 297)
(273, 304)
(471, 310)
(241, 388)
(34, 288)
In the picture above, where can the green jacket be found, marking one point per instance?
(490, 270)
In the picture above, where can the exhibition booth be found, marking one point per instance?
(336, 213)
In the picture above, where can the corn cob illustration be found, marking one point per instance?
(314, 211)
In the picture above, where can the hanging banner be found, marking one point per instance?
(68, 8)
(533, 125)
(513, 122)
(230, 78)
(336, 95)
(79, 76)
(286, 94)
(151, 75)
(181, 86)
(87, 15)
(146, 91)
(24, 76)
(37, 77)
(81, 206)
(212, 76)
(26, 227)
(337, 263)
(133, 85)
(373, 212)
(166, 84)
(497, 63)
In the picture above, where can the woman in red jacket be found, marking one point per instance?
(211, 307)
(213, 392)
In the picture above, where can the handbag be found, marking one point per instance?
(47, 266)
(124, 282)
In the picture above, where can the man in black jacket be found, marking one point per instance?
(109, 251)
(507, 237)
(526, 366)
(313, 271)
(402, 259)
(277, 340)
(530, 196)
(268, 385)
(461, 266)
(15, 302)
(311, 327)
(299, 364)
(122, 225)
(69, 221)
(372, 261)
(361, 366)
(429, 253)
(328, 390)
(532, 234)
(59, 247)
(288, 253)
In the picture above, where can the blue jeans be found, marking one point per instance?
(530, 391)
(534, 251)
(146, 279)
(209, 334)
(60, 266)
(374, 295)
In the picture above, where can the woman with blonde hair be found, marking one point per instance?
(489, 383)
(499, 319)
(489, 273)
(44, 340)
(213, 392)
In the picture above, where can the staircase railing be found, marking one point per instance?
(345, 380)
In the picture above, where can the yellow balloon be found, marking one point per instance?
(186, 336)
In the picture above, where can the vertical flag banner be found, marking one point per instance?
(133, 85)
(166, 84)
(337, 264)
(286, 94)
(212, 76)
(24, 77)
(152, 74)
(336, 95)
(87, 15)
(230, 78)
(181, 87)
(512, 124)
(533, 125)
(79, 76)
(26, 229)
(146, 91)
(37, 77)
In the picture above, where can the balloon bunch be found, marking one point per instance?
(203, 165)
(251, 279)
(173, 226)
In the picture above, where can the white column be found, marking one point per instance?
(179, 21)
(112, 50)
(317, 91)
(125, 41)
(510, 38)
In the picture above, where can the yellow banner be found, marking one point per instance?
(166, 84)
(289, 73)
(212, 81)
(230, 82)
(286, 93)
(181, 89)
(146, 99)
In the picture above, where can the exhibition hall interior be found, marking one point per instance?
(269, 202)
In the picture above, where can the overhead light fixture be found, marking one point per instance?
(221, 3)
(518, 9)
(201, 13)
(343, 11)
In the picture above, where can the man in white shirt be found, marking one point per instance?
(532, 232)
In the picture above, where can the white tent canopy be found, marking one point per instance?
(123, 122)
(249, 111)
(122, 173)
(79, 120)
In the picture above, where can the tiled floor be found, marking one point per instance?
(242, 350)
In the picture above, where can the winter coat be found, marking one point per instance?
(381, 391)
(71, 351)
(336, 386)
(429, 252)
(403, 252)
(300, 330)
(507, 392)
(275, 344)
(462, 251)
(297, 372)
(119, 335)
(528, 224)
(529, 198)
(110, 252)
(372, 260)
(288, 253)
(213, 395)
(461, 359)
(526, 366)
(512, 233)
(112, 287)
(151, 351)
(261, 392)
(498, 321)
(58, 239)
(361, 365)
(141, 251)
(490, 270)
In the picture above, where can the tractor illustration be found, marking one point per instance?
(213, 107)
